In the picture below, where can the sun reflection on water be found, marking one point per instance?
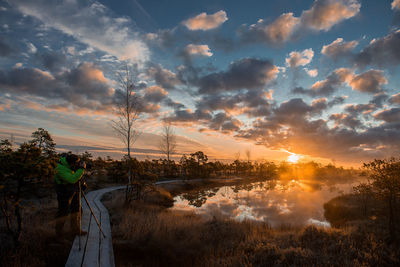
(295, 202)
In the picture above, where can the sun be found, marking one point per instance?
(293, 158)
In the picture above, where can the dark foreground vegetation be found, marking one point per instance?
(146, 232)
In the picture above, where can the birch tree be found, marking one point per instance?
(168, 142)
(127, 111)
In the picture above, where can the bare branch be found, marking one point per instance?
(168, 142)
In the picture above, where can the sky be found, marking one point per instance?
(318, 79)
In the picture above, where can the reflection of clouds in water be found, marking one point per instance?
(293, 202)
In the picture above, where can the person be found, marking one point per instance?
(68, 172)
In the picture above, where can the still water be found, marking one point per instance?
(293, 202)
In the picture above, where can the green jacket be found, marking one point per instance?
(64, 174)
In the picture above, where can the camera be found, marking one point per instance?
(85, 165)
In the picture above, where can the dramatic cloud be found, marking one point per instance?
(277, 32)
(201, 50)
(52, 61)
(329, 85)
(338, 48)
(388, 115)
(246, 73)
(91, 23)
(369, 82)
(187, 116)
(81, 88)
(291, 127)
(155, 94)
(163, 77)
(303, 58)
(347, 120)
(338, 100)
(396, 4)
(395, 99)
(324, 14)
(224, 123)
(383, 52)
(254, 103)
(206, 22)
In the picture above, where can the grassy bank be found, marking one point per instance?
(148, 234)
(39, 245)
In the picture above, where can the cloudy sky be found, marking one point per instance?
(315, 78)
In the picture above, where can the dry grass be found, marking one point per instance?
(39, 246)
(147, 234)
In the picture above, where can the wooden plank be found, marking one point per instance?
(95, 249)
(76, 255)
(91, 257)
(106, 249)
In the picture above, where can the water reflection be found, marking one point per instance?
(294, 202)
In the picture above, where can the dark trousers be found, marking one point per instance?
(68, 206)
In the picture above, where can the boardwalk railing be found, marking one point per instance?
(96, 250)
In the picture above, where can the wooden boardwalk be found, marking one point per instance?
(96, 250)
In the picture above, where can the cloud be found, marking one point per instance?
(338, 100)
(388, 115)
(31, 48)
(224, 123)
(303, 58)
(5, 49)
(338, 48)
(83, 87)
(91, 23)
(206, 22)
(52, 60)
(324, 14)
(395, 99)
(383, 52)
(164, 38)
(368, 82)
(296, 107)
(396, 4)
(188, 116)
(201, 50)
(277, 32)
(155, 94)
(246, 73)
(312, 72)
(254, 103)
(329, 85)
(360, 109)
(291, 127)
(346, 120)
(163, 77)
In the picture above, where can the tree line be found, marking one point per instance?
(375, 202)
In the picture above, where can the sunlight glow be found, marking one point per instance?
(293, 158)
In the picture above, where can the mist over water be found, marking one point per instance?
(278, 202)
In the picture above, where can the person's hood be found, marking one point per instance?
(63, 161)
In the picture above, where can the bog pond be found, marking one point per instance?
(289, 202)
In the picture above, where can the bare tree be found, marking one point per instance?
(168, 142)
(127, 111)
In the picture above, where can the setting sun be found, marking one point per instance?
(293, 158)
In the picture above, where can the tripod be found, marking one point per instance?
(81, 193)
